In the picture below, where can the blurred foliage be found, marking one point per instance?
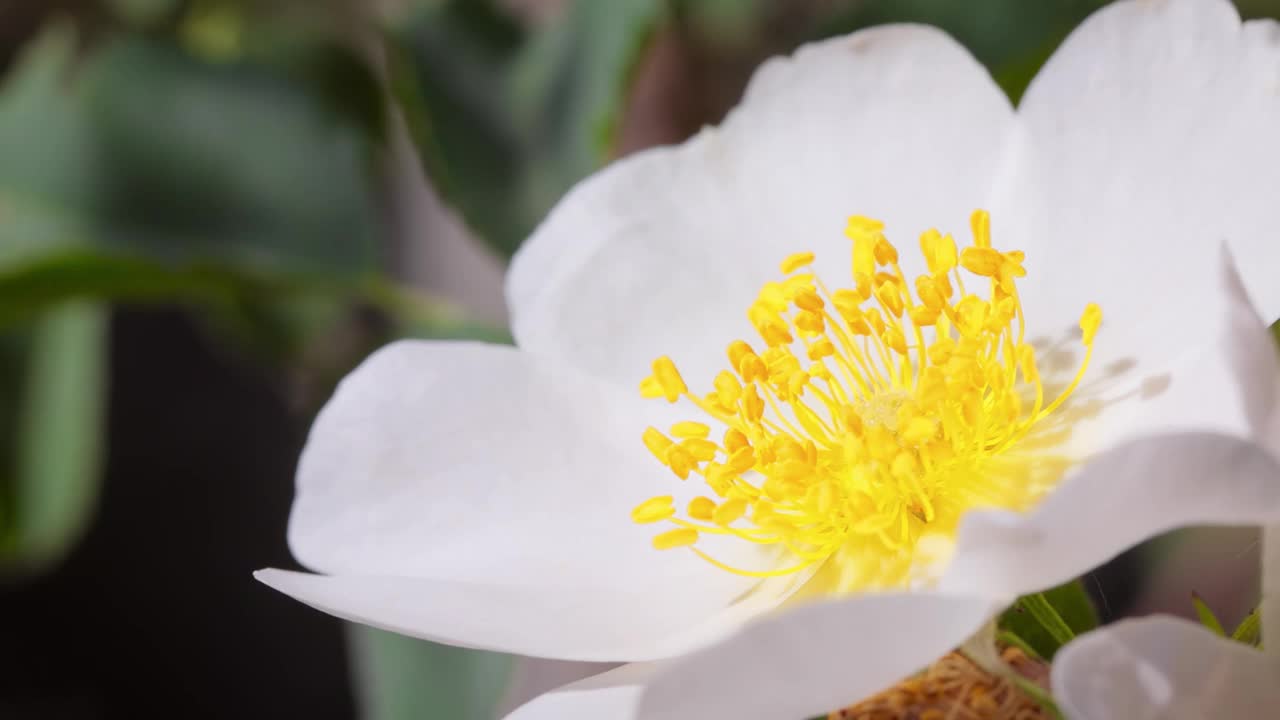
(145, 173)
(507, 121)
(51, 378)
(399, 678)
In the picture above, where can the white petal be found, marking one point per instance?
(480, 466)
(1147, 141)
(1162, 668)
(1150, 140)
(587, 624)
(611, 695)
(1159, 472)
(532, 677)
(814, 658)
(663, 252)
(1118, 499)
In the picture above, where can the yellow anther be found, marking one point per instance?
(821, 349)
(681, 461)
(651, 388)
(730, 511)
(923, 317)
(654, 509)
(871, 417)
(690, 429)
(981, 261)
(929, 293)
(864, 256)
(862, 285)
(939, 252)
(700, 450)
(657, 443)
(728, 390)
(752, 405)
(680, 537)
(861, 226)
(980, 223)
(701, 508)
(735, 440)
(885, 252)
(893, 338)
(810, 322)
(668, 378)
(808, 299)
(796, 261)
(742, 460)
(1089, 322)
(890, 299)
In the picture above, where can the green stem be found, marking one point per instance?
(1044, 613)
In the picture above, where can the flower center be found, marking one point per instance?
(869, 419)
(954, 687)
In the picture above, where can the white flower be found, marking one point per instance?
(482, 496)
(1162, 668)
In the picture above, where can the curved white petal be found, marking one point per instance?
(466, 471)
(529, 621)
(814, 658)
(1159, 472)
(1147, 141)
(663, 252)
(613, 695)
(1162, 668)
(1120, 498)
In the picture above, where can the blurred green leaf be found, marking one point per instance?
(400, 678)
(1207, 618)
(505, 130)
(449, 75)
(146, 172)
(1012, 38)
(1070, 604)
(1249, 631)
(52, 379)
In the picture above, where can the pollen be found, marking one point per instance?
(859, 426)
(954, 688)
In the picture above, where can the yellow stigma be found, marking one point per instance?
(869, 419)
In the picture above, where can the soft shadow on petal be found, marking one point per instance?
(532, 677)
(1155, 472)
(612, 695)
(1118, 499)
(814, 658)
(663, 252)
(1149, 139)
(482, 466)
(1162, 668)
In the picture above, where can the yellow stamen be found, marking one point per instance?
(680, 537)
(867, 419)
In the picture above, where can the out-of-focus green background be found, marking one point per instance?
(212, 209)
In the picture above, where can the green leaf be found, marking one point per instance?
(145, 161)
(505, 130)
(1046, 621)
(52, 376)
(1207, 618)
(1249, 631)
(400, 678)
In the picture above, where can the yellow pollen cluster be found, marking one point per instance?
(868, 419)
